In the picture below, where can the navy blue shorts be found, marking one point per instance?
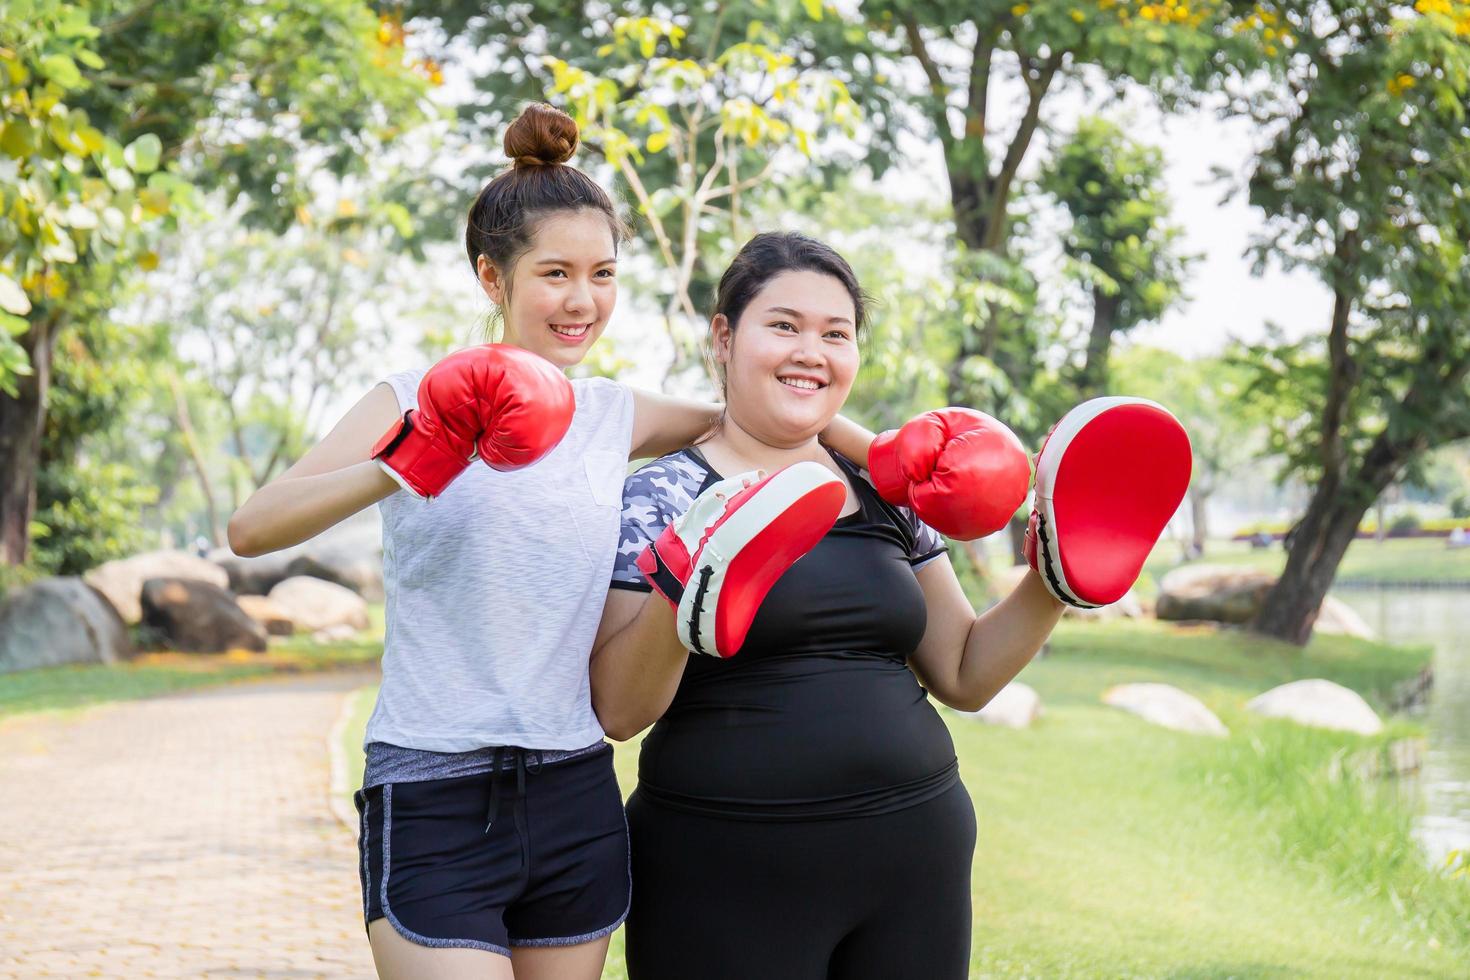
(550, 869)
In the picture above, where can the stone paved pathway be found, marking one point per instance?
(184, 836)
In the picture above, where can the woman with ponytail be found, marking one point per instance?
(492, 838)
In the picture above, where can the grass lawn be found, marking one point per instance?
(151, 674)
(1112, 848)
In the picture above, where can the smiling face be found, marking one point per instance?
(562, 289)
(791, 360)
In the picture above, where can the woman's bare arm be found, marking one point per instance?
(637, 662)
(849, 439)
(663, 423)
(964, 660)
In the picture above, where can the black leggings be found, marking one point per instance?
(884, 897)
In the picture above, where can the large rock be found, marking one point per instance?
(253, 576)
(362, 574)
(1017, 705)
(122, 581)
(1165, 705)
(1219, 593)
(60, 621)
(1319, 703)
(349, 554)
(267, 614)
(1225, 594)
(1338, 617)
(197, 617)
(315, 605)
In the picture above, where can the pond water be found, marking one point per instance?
(1440, 618)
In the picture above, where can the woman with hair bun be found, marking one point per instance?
(492, 837)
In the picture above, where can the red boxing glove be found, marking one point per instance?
(502, 402)
(961, 471)
(1109, 477)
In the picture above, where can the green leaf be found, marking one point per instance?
(143, 153)
(657, 141)
(813, 8)
(13, 364)
(73, 22)
(19, 138)
(13, 299)
(399, 218)
(13, 326)
(61, 70)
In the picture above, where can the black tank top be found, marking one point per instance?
(818, 714)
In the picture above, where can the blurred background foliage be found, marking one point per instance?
(221, 221)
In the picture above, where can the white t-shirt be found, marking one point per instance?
(495, 588)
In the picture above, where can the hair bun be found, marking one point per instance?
(541, 135)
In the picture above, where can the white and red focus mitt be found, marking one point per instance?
(1109, 477)
(716, 562)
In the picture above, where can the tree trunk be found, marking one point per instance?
(1322, 538)
(1017, 529)
(1315, 546)
(21, 422)
(1094, 378)
(1290, 607)
(1199, 519)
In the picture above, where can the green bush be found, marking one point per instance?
(1405, 523)
(86, 515)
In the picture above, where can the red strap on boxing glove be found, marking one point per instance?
(961, 471)
(1109, 477)
(422, 464)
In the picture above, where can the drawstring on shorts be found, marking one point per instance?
(523, 761)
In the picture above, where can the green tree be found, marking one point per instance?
(1123, 248)
(1364, 184)
(966, 55)
(114, 113)
(90, 486)
(968, 52)
(272, 329)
